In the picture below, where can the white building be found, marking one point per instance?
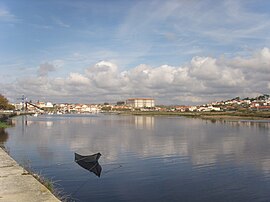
(140, 102)
(49, 105)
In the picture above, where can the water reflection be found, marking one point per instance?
(93, 167)
(144, 122)
(181, 144)
(89, 162)
(198, 140)
(260, 124)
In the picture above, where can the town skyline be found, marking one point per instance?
(264, 99)
(188, 52)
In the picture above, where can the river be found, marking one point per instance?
(146, 158)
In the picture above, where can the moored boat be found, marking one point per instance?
(87, 158)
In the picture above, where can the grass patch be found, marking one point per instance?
(4, 125)
(49, 184)
(207, 115)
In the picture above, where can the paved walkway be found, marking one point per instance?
(17, 185)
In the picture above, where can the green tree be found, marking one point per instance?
(4, 105)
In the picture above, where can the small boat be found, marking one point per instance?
(89, 158)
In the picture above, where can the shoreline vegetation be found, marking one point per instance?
(48, 183)
(254, 115)
(4, 125)
(5, 121)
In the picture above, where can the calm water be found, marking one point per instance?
(147, 158)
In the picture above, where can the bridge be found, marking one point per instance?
(25, 104)
(6, 114)
(29, 103)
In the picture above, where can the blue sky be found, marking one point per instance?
(57, 50)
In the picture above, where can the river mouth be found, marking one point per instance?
(146, 158)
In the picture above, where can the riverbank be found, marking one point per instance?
(5, 118)
(17, 184)
(252, 115)
(3, 125)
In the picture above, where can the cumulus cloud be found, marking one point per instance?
(77, 79)
(201, 80)
(260, 60)
(105, 75)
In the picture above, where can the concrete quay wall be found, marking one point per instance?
(17, 185)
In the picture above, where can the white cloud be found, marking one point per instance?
(204, 79)
(77, 79)
(204, 68)
(260, 61)
(105, 75)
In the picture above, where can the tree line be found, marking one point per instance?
(4, 103)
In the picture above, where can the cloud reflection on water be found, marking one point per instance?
(203, 142)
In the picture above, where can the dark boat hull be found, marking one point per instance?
(89, 158)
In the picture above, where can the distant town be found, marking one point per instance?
(260, 103)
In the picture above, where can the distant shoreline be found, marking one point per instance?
(207, 115)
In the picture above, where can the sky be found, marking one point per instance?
(175, 51)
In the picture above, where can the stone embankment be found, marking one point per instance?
(16, 184)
